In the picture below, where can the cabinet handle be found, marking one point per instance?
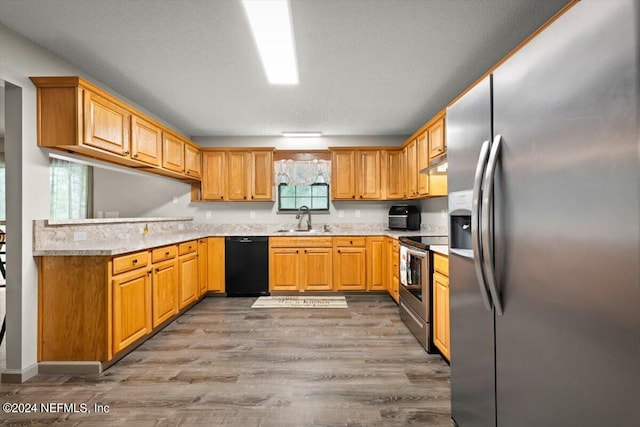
(339, 251)
(305, 251)
(166, 254)
(135, 155)
(135, 261)
(245, 197)
(252, 197)
(353, 197)
(351, 242)
(149, 272)
(221, 197)
(439, 149)
(297, 251)
(361, 196)
(157, 270)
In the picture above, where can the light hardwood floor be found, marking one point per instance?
(225, 364)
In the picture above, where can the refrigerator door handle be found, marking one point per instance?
(487, 214)
(476, 244)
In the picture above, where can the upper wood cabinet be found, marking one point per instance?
(106, 124)
(172, 152)
(146, 141)
(437, 145)
(394, 175)
(411, 169)
(76, 116)
(343, 175)
(214, 182)
(192, 160)
(237, 175)
(357, 174)
(422, 160)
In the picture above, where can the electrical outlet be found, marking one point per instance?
(175, 199)
(341, 214)
(208, 214)
(252, 214)
(357, 213)
(443, 214)
(79, 236)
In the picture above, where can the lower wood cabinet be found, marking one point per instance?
(376, 265)
(441, 325)
(349, 264)
(203, 266)
(187, 273)
(392, 265)
(300, 264)
(131, 307)
(165, 290)
(215, 264)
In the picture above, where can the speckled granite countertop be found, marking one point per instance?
(107, 239)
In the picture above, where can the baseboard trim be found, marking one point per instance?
(70, 367)
(17, 376)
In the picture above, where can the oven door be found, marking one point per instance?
(415, 292)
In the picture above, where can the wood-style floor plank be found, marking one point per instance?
(225, 364)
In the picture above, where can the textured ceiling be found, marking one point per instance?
(367, 67)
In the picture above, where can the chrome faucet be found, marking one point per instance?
(308, 212)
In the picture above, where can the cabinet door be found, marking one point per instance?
(236, 175)
(411, 174)
(441, 313)
(131, 307)
(215, 265)
(165, 290)
(343, 175)
(349, 269)
(106, 125)
(192, 162)
(214, 176)
(146, 141)
(375, 264)
(394, 274)
(395, 175)
(369, 175)
(315, 269)
(422, 144)
(188, 279)
(203, 270)
(284, 269)
(172, 153)
(437, 144)
(261, 175)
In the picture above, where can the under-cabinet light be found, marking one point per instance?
(272, 29)
(288, 134)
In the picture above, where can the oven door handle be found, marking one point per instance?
(476, 243)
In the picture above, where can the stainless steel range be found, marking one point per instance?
(416, 272)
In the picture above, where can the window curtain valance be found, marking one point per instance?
(302, 172)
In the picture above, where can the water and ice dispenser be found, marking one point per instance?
(460, 203)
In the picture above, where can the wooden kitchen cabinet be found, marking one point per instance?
(261, 188)
(192, 160)
(131, 308)
(76, 116)
(214, 175)
(394, 175)
(236, 175)
(411, 170)
(106, 124)
(422, 162)
(349, 264)
(215, 264)
(164, 283)
(441, 322)
(187, 273)
(172, 152)
(393, 263)
(146, 141)
(376, 264)
(300, 264)
(437, 145)
(203, 267)
(343, 175)
(369, 175)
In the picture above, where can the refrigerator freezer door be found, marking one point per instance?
(472, 340)
(566, 226)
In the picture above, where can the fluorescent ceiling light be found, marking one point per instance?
(272, 29)
(288, 134)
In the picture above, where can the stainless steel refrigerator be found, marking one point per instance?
(544, 205)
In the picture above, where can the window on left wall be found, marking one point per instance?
(71, 188)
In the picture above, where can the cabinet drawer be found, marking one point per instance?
(163, 253)
(187, 247)
(349, 241)
(441, 264)
(130, 262)
(300, 242)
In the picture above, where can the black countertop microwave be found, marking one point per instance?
(404, 217)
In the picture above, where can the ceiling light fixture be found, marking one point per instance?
(272, 29)
(291, 134)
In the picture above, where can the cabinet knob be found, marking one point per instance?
(252, 197)
(188, 172)
(135, 261)
(305, 251)
(297, 251)
(157, 270)
(339, 251)
(149, 272)
(353, 197)
(245, 197)
(126, 152)
(361, 196)
(351, 242)
(166, 254)
(135, 155)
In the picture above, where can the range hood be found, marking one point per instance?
(437, 166)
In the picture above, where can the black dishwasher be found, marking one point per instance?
(246, 266)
